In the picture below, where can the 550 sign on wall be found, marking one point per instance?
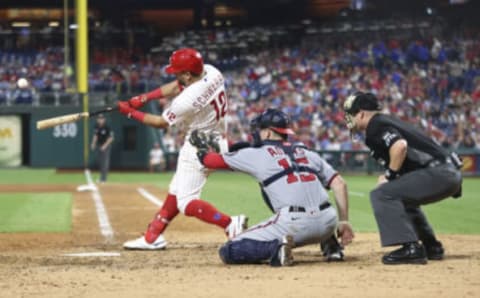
(10, 141)
(67, 130)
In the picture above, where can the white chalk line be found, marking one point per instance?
(150, 197)
(356, 193)
(94, 254)
(103, 221)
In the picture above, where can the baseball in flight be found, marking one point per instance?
(22, 83)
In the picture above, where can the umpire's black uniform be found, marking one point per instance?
(428, 174)
(102, 134)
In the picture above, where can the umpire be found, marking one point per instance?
(418, 172)
(102, 139)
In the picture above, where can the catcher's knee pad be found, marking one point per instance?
(248, 251)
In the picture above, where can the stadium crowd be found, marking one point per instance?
(433, 82)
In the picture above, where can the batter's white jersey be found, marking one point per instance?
(202, 105)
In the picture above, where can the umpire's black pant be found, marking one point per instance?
(396, 204)
(104, 163)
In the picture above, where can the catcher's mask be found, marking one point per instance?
(355, 103)
(273, 119)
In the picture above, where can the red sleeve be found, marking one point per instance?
(155, 94)
(214, 161)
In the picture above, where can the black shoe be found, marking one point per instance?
(332, 250)
(283, 256)
(435, 251)
(409, 253)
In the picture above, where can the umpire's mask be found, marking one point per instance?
(356, 102)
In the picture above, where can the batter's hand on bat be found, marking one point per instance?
(125, 108)
(138, 101)
(345, 232)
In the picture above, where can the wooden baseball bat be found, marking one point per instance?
(51, 122)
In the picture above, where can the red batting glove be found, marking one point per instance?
(137, 102)
(125, 108)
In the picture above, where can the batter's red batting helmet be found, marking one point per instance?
(185, 59)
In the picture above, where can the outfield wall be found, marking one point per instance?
(62, 146)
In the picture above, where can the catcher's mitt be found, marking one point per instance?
(199, 140)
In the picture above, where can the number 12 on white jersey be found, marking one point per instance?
(220, 105)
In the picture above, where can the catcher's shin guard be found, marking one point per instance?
(248, 251)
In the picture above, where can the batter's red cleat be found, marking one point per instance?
(141, 244)
(238, 225)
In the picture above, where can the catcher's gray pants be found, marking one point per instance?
(104, 163)
(396, 203)
(310, 226)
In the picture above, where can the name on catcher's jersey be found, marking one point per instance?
(202, 105)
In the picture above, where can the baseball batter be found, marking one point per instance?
(294, 181)
(200, 102)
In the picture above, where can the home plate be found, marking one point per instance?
(94, 254)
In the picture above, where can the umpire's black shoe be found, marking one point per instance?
(435, 251)
(409, 253)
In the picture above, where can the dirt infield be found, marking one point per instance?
(35, 265)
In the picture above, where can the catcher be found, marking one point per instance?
(293, 181)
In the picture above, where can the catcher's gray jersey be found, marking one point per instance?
(300, 188)
(293, 181)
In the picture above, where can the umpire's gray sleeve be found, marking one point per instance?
(325, 171)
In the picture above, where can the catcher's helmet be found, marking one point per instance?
(276, 120)
(185, 59)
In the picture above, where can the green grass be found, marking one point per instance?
(38, 176)
(27, 212)
(236, 193)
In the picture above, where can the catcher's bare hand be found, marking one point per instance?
(345, 232)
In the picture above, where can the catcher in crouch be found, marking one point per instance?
(293, 181)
